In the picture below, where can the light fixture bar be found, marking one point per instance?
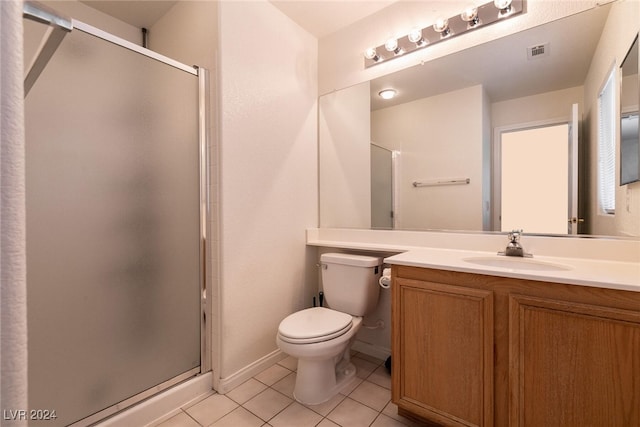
(488, 13)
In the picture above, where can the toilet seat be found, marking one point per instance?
(314, 325)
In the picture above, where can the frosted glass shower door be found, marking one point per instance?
(113, 228)
(381, 188)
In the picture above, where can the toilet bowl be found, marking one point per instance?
(324, 366)
(320, 338)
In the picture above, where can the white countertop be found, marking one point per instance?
(584, 272)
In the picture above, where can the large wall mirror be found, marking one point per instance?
(437, 146)
(629, 136)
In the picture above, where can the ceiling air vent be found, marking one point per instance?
(538, 51)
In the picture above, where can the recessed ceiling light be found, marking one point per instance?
(387, 93)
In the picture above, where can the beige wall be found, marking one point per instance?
(188, 33)
(268, 178)
(537, 108)
(345, 171)
(76, 10)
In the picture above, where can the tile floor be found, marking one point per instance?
(267, 400)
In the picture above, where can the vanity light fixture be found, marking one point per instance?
(445, 28)
(387, 93)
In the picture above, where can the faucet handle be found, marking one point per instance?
(514, 235)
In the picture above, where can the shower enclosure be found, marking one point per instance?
(116, 167)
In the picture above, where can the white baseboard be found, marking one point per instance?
(158, 406)
(225, 385)
(372, 350)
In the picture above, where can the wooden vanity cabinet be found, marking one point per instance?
(476, 350)
(443, 351)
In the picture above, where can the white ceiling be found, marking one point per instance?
(319, 17)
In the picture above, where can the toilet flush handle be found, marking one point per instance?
(322, 266)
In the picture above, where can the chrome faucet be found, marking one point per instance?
(514, 248)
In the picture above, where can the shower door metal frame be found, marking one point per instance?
(59, 26)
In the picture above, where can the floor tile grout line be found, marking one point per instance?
(189, 415)
(275, 415)
(376, 363)
(346, 396)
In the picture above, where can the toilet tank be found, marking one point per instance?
(350, 282)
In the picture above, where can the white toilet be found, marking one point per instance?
(320, 337)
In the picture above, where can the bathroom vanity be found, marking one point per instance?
(477, 341)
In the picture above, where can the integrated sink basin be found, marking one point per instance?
(516, 263)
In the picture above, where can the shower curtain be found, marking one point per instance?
(13, 309)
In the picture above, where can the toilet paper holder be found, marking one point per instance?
(385, 278)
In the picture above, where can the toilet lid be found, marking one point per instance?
(314, 324)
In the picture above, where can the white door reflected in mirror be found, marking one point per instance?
(535, 176)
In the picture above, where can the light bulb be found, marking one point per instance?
(503, 5)
(392, 45)
(371, 54)
(469, 14)
(387, 93)
(415, 36)
(442, 26)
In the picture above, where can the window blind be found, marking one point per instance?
(607, 147)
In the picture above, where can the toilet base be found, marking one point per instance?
(319, 380)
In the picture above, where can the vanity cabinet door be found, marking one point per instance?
(573, 364)
(443, 352)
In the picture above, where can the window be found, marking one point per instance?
(607, 147)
